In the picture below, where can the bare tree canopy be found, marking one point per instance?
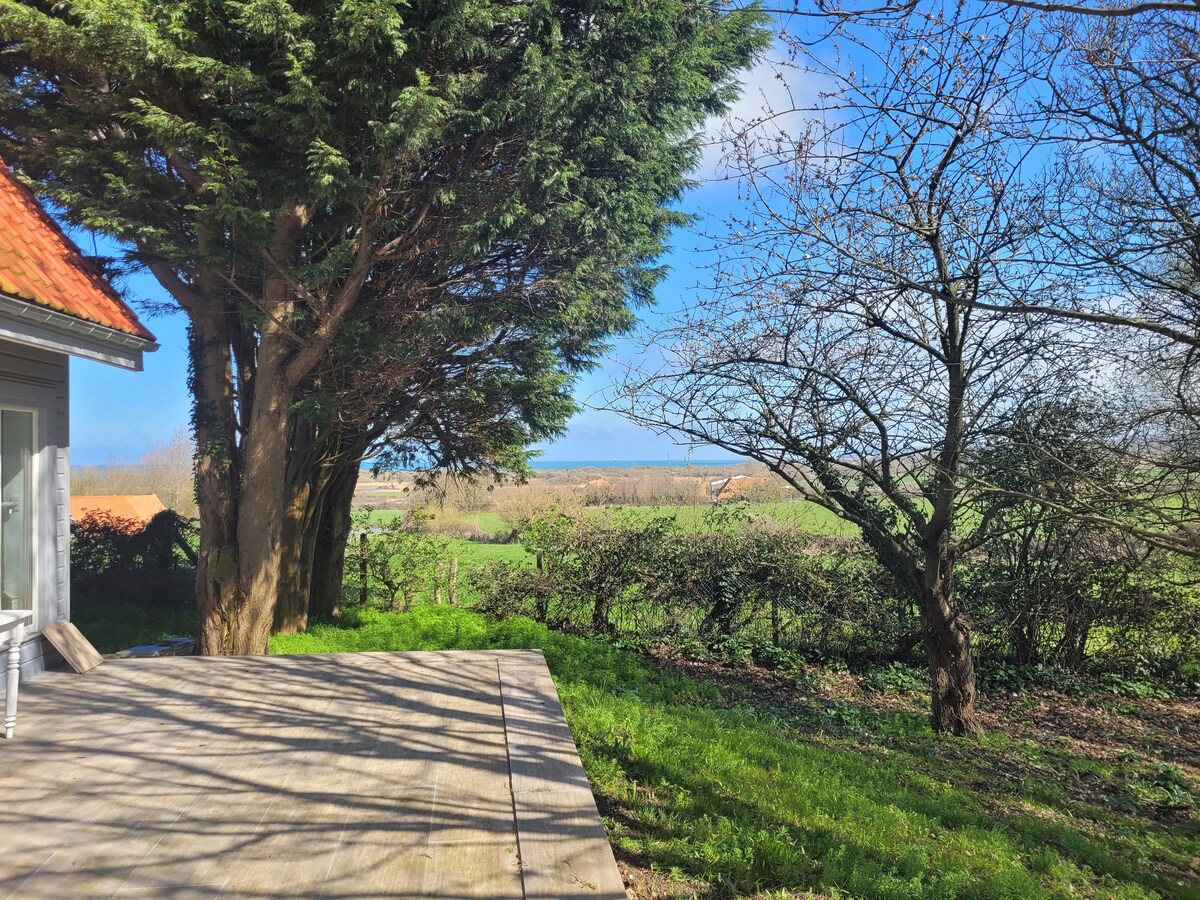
(1107, 10)
(847, 343)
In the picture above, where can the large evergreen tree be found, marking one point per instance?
(476, 190)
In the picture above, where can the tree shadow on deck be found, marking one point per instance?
(335, 776)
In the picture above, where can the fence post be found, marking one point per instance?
(363, 593)
(454, 581)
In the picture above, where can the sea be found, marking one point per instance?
(558, 464)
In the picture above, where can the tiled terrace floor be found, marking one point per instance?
(343, 775)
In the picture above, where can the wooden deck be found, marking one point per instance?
(343, 775)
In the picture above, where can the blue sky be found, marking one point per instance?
(117, 414)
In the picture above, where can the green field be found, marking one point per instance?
(473, 554)
(799, 514)
(710, 792)
(484, 521)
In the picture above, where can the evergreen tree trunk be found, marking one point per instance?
(240, 488)
(301, 507)
(316, 525)
(217, 475)
(260, 525)
(291, 607)
(331, 536)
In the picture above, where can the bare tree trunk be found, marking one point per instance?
(948, 648)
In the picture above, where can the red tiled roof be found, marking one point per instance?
(40, 264)
(135, 507)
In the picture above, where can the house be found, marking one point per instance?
(53, 305)
(135, 509)
(728, 488)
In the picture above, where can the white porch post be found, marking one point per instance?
(14, 623)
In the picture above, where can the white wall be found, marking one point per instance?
(32, 377)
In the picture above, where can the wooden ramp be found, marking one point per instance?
(341, 775)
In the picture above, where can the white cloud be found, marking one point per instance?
(772, 93)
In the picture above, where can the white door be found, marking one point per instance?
(17, 508)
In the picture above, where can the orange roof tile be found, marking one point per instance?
(40, 264)
(139, 507)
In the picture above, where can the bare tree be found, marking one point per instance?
(164, 469)
(847, 342)
(1107, 10)
(1122, 229)
(169, 473)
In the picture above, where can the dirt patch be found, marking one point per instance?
(1102, 726)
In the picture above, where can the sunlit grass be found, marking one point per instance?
(746, 798)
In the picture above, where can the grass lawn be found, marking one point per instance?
(715, 783)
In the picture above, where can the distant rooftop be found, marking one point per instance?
(139, 507)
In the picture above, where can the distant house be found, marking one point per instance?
(53, 305)
(728, 488)
(133, 508)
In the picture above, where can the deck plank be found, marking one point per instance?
(433, 774)
(565, 852)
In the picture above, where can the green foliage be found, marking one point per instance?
(147, 564)
(132, 582)
(1134, 687)
(427, 218)
(1066, 592)
(401, 560)
(742, 798)
(738, 649)
(897, 678)
(1001, 676)
(750, 582)
(746, 589)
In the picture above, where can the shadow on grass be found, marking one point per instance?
(837, 797)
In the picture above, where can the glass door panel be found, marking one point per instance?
(16, 509)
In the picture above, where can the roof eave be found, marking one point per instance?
(48, 328)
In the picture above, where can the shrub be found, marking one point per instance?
(503, 591)
(125, 561)
(400, 560)
(753, 590)
(132, 582)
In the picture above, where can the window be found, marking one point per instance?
(17, 509)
